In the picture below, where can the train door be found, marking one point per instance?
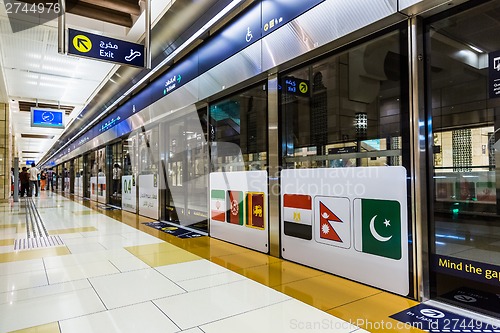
(239, 177)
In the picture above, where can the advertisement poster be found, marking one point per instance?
(148, 196)
(129, 194)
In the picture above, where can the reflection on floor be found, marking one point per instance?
(466, 239)
(115, 274)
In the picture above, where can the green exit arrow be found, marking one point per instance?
(179, 78)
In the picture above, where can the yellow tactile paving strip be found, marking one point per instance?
(362, 305)
(48, 328)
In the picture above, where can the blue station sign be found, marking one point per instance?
(47, 118)
(85, 44)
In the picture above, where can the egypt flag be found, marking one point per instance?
(255, 206)
(218, 205)
(235, 209)
(380, 227)
(297, 215)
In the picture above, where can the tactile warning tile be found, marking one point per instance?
(48, 328)
(372, 313)
(37, 242)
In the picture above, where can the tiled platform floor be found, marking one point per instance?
(116, 275)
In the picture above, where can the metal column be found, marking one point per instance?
(16, 179)
(273, 169)
(419, 142)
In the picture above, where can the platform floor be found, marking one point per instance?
(114, 274)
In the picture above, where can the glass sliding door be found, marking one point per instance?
(238, 124)
(115, 173)
(345, 156)
(102, 177)
(187, 170)
(348, 112)
(465, 187)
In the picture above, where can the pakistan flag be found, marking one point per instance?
(381, 228)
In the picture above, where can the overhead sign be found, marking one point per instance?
(103, 48)
(47, 118)
(294, 86)
(30, 162)
(494, 74)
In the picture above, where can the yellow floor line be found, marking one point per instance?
(47, 328)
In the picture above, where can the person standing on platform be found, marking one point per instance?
(117, 177)
(24, 178)
(43, 180)
(12, 181)
(50, 178)
(34, 179)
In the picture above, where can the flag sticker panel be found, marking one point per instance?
(235, 207)
(218, 205)
(255, 206)
(297, 215)
(378, 230)
(332, 221)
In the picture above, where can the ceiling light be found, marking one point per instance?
(184, 45)
(476, 49)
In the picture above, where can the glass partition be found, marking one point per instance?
(464, 188)
(115, 173)
(345, 110)
(187, 170)
(238, 126)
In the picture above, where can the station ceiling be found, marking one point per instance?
(33, 73)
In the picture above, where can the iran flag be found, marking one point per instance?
(218, 205)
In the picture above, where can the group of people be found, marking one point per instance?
(32, 180)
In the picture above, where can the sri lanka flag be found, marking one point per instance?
(297, 215)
